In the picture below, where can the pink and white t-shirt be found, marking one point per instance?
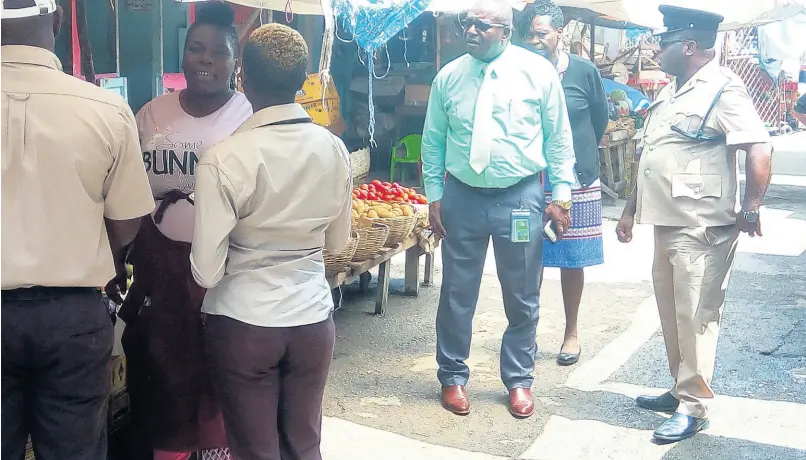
(172, 143)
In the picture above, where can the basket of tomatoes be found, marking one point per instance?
(388, 192)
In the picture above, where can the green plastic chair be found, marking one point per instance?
(413, 144)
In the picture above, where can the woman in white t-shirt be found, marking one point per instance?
(171, 399)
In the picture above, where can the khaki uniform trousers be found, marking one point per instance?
(690, 274)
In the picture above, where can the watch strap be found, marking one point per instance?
(565, 204)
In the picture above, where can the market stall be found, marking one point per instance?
(387, 220)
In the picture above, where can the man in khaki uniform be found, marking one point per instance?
(73, 190)
(688, 189)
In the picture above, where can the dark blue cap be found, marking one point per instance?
(677, 19)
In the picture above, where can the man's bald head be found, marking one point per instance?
(39, 31)
(500, 10)
(488, 29)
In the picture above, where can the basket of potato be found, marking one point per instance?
(337, 262)
(399, 217)
(371, 238)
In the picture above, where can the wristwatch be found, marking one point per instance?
(563, 204)
(750, 216)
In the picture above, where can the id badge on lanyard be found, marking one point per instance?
(520, 225)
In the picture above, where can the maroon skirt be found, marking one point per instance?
(167, 378)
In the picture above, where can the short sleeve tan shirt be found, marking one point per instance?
(71, 157)
(688, 182)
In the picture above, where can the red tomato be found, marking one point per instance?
(376, 183)
(396, 185)
(404, 196)
(362, 194)
(422, 200)
(371, 187)
(389, 197)
(386, 184)
(372, 196)
(355, 194)
(364, 187)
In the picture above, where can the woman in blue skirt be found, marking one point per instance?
(540, 26)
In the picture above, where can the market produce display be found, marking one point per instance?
(388, 192)
(383, 215)
(368, 209)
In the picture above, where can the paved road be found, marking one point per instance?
(382, 399)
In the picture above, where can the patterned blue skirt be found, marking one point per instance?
(582, 245)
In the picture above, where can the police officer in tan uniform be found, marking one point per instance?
(74, 189)
(689, 190)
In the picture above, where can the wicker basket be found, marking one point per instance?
(359, 162)
(336, 262)
(370, 241)
(399, 227)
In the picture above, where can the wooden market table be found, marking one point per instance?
(383, 260)
(616, 159)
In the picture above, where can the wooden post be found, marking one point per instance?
(117, 37)
(384, 272)
(82, 34)
(428, 277)
(593, 43)
(75, 46)
(157, 51)
(412, 277)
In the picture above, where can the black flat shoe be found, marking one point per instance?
(663, 403)
(679, 427)
(568, 359)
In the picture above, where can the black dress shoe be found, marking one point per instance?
(680, 427)
(568, 359)
(663, 403)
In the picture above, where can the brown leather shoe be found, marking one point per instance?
(521, 404)
(454, 399)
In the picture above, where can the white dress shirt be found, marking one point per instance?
(268, 200)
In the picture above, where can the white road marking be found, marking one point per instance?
(644, 325)
(343, 440)
(778, 423)
(564, 438)
(783, 179)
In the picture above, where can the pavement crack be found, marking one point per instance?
(783, 340)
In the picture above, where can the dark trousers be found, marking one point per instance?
(472, 217)
(270, 383)
(56, 370)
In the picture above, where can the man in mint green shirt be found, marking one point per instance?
(496, 118)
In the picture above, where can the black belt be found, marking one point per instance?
(496, 191)
(44, 292)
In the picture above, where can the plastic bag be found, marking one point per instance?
(372, 23)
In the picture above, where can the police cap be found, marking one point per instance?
(689, 24)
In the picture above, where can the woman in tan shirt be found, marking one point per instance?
(269, 199)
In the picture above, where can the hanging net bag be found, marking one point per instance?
(372, 23)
